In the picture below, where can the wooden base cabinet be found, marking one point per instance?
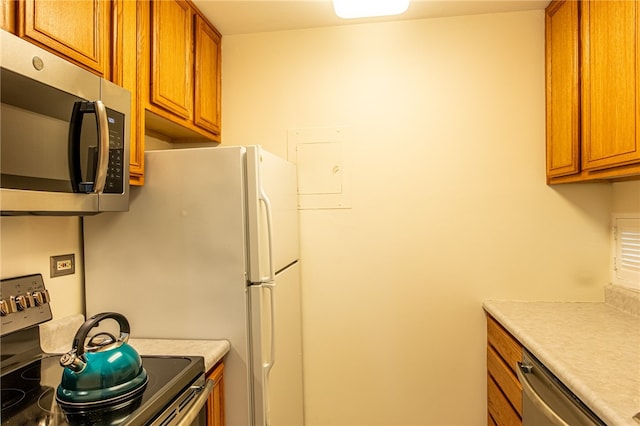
(592, 90)
(504, 393)
(215, 404)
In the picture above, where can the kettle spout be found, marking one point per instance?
(73, 362)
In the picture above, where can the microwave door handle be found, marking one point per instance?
(103, 146)
(75, 130)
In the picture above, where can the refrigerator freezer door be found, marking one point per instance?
(174, 265)
(272, 207)
(277, 348)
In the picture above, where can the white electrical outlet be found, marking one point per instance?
(62, 265)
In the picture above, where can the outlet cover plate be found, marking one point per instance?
(64, 264)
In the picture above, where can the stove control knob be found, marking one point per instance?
(4, 308)
(30, 301)
(21, 302)
(38, 298)
(11, 304)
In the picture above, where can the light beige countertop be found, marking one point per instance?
(593, 348)
(56, 337)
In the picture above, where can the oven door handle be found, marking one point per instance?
(192, 412)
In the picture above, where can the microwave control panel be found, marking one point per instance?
(115, 174)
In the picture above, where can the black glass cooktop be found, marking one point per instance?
(28, 394)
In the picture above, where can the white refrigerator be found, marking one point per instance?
(209, 250)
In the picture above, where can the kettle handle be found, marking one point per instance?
(83, 331)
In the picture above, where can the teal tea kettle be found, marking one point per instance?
(105, 371)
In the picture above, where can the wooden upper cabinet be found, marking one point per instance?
(8, 15)
(207, 76)
(610, 73)
(172, 57)
(184, 60)
(78, 30)
(127, 74)
(563, 89)
(592, 83)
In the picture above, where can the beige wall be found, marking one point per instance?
(449, 204)
(626, 197)
(26, 245)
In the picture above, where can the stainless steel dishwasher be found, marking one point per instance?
(546, 401)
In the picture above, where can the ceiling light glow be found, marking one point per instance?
(348, 9)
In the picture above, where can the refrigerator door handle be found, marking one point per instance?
(267, 206)
(272, 350)
(267, 366)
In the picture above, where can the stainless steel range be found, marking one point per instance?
(175, 393)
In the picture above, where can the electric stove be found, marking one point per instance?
(29, 377)
(28, 393)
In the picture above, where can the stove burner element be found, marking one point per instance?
(46, 402)
(11, 397)
(32, 373)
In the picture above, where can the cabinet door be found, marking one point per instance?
(207, 76)
(8, 15)
(504, 393)
(172, 57)
(127, 72)
(77, 29)
(563, 90)
(215, 403)
(610, 84)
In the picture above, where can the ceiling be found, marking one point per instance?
(233, 17)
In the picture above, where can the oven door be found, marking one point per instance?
(188, 409)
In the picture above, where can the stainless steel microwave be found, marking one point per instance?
(64, 135)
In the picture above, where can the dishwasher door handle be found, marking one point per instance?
(529, 391)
